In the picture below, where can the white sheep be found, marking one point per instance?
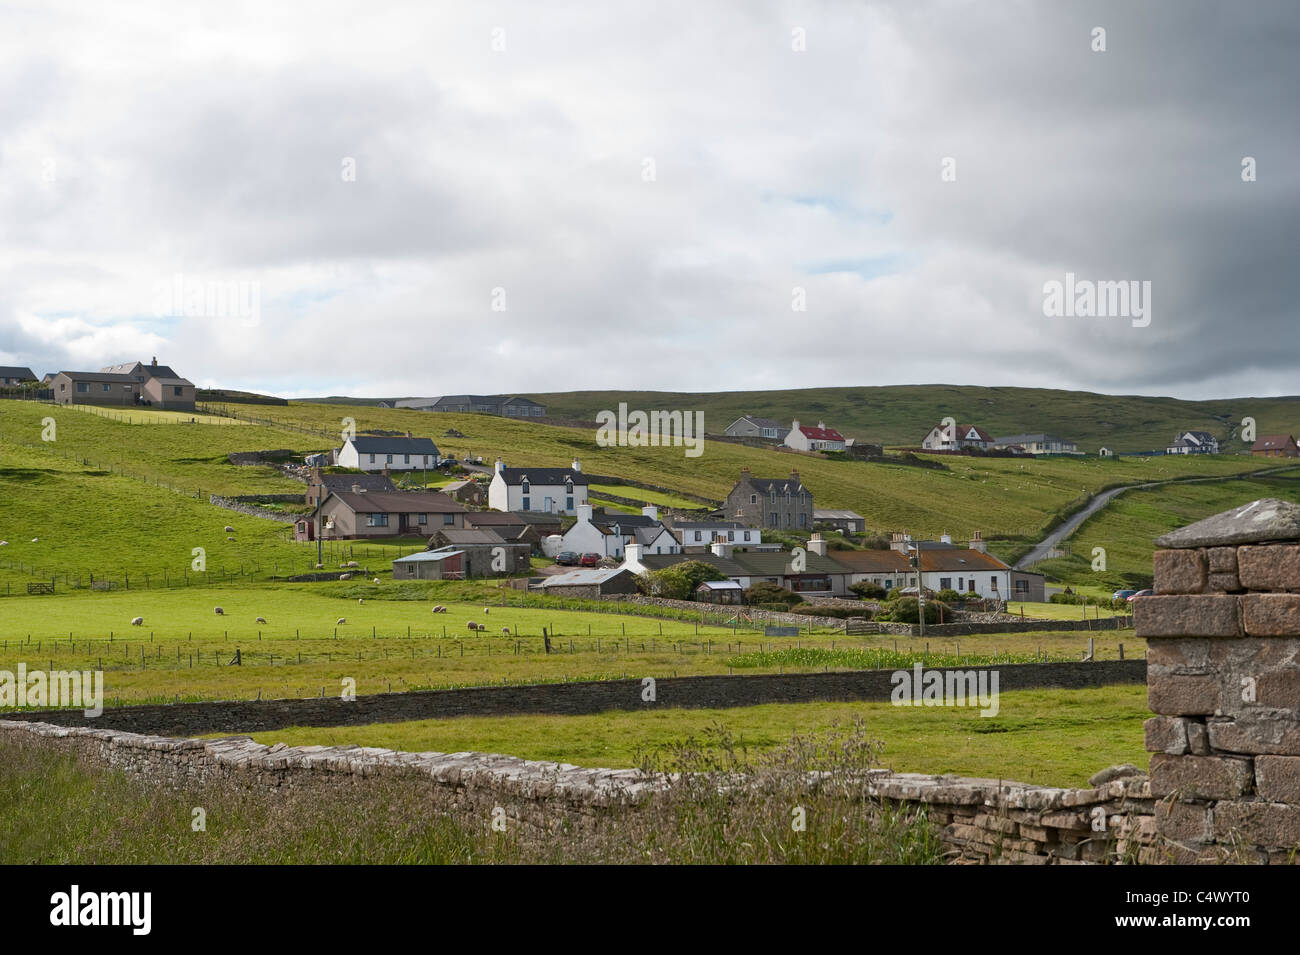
(36, 540)
(229, 529)
(376, 580)
(218, 611)
(361, 600)
(345, 576)
(320, 566)
(340, 621)
(486, 611)
(4, 543)
(137, 621)
(260, 620)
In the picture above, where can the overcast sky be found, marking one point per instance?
(645, 188)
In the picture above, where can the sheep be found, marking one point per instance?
(320, 566)
(472, 625)
(218, 611)
(229, 538)
(361, 600)
(137, 621)
(340, 621)
(4, 543)
(376, 580)
(505, 631)
(36, 540)
(229, 529)
(486, 611)
(260, 620)
(345, 576)
(439, 608)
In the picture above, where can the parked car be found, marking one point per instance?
(1123, 594)
(567, 558)
(1141, 593)
(590, 560)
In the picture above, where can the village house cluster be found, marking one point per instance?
(130, 384)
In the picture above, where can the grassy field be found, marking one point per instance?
(134, 415)
(1051, 737)
(1126, 527)
(900, 415)
(184, 650)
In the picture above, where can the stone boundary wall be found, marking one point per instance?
(240, 507)
(979, 820)
(577, 698)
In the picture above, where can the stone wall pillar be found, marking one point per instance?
(1223, 678)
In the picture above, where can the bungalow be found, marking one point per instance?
(956, 438)
(811, 573)
(1275, 446)
(748, 426)
(352, 515)
(160, 386)
(820, 438)
(848, 522)
(1036, 444)
(392, 453)
(549, 490)
(518, 527)
(591, 582)
(884, 568)
(1193, 442)
(695, 536)
(510, 406)
(15, 375)
(95, 388)
(320, 484)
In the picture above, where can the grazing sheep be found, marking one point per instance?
(361, 600)
(260, 620)
(218, 610)
(486, 611)
(4, 543)
(505, 631)
(35, 540)
(320, 566)
(229, 538)
(137, 621)
(229, 529)
(376, 580)
(439, 608)
(472, 625)
(340, 621)
(345, 576)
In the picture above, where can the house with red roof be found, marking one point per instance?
(820, 438)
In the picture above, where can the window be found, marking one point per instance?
(82, 387)
(523, 487)
(993, 583)
(526, 507)
(448, 520)
(423, 519)
(699, 535)
(372, 459)
(787, 518)
(1022, 586)
(390, 459)
(176, 391)
(945, 583)
(406, 459)
(772, 520)
(568, 503)
(106, 386)
(376, 520)
(753, 499)
(961, 584)
(803, 519)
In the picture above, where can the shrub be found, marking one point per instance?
(904, 611)
(679, 581)
(768, 593)
(948, 595)
(867, 590)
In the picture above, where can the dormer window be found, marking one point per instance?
(523, 486)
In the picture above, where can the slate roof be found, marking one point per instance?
(1268, 442)
(584, 577)
(367, 482)
(15, 371)
(110, 377)
(374, 444)
(397, 502)
(469, 536)
(542, 476)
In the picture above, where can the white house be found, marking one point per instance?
(698, 535)
(1194, 442)
(956, 437)
(748, 426)
(609, 534)
(820, 438)
(377, 452)
(550, 490)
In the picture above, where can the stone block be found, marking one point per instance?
(1222, 584)
(1184, 821)
(1186, 615)
(1166, 734)
(1179, 571)
(1267, 824)
(1277, 778)
(1200, 777)
(1269, 566)
(1221, 560)
(1173, 694)
(1271, 615)
(1264, 733)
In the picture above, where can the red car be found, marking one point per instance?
(590, 560)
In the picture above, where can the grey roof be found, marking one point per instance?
(781, 484)
(372, 444)
(647, 535)
(441, 553)
(397, 502)
(585, 576)
(153, 371)
(99, 376)
(368, 482)
(16, 371)
(837, 515)
(454, 400)
(625, 522)
(464, 537)
(1029, 438)
(710, 526)
(542, 476)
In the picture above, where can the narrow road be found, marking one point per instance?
(1105, 497)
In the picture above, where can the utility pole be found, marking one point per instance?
(920, 587)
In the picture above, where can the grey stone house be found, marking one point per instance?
(773, 503)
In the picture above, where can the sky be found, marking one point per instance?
(389, 199)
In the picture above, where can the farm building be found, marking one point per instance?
(591, 582)
(1275, 446)
(352, 515)
(472, 493)
(486, 553)
(509, 406)
(848, 522)
(807, 438)
(444, 564)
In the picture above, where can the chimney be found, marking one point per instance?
(817, 545)
(632, 554)
(898, 542)
(945, 538)
(794, 425)
(583, 512)
(977, 543)
(721, 547)
(357, 489)
(651, 512)
(577, 465)
(154, 363)
(794, 476)
(409, 435)
(822, 425)
(744, 474)
(500, 465)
